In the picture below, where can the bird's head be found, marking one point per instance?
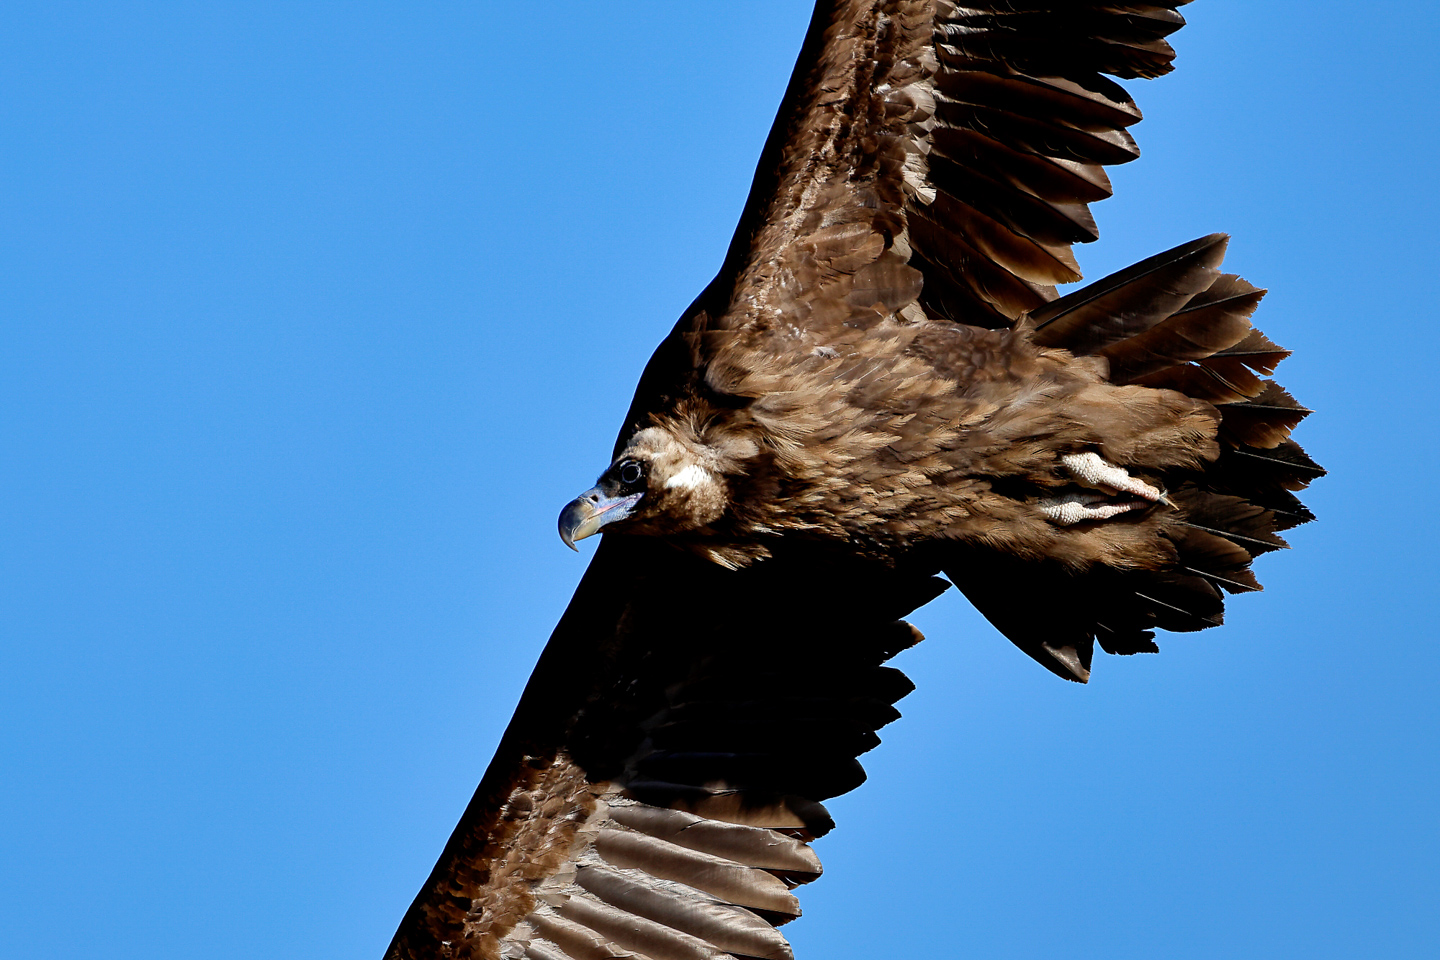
(667, 480)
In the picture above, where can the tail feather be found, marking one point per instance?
(1171, 322)
(1108, 311)
(1204, 327)
(1262, 421)
(1267, 478)
(1235, 518)
(1257, 352)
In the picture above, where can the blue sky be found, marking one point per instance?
(315, 314)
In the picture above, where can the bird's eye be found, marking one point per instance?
(631, 472)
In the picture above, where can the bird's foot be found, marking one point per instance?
(1094, 471)
(1080, 507)
(1108, 484)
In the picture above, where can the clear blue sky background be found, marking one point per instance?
(314, 314)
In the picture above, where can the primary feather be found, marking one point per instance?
(880, 384)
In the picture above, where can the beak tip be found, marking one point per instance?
(567, 534)
(574, 520)
(586, 514)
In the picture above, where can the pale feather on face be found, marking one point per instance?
(685, 486)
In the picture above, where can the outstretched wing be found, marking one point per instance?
(964, 141)
(655, 793)
(1025, 122)
(929, 161)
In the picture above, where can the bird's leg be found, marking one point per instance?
(1106, 481)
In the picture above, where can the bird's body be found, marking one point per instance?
(880, 385)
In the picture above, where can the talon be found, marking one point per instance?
(1093, 470)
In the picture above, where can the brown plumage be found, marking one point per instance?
(880, 385)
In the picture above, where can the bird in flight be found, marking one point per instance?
(880, 387)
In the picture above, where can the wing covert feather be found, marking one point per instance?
(930, 162)
(962, 142)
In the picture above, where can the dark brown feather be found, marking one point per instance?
(1132, 301)
(879, 384)
(1214, 320)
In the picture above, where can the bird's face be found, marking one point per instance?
(660, 484)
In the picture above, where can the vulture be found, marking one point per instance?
(882, 393)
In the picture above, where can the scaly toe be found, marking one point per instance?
(1072, 508)
(1093, 470)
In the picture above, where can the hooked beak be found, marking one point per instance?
(587, 513)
